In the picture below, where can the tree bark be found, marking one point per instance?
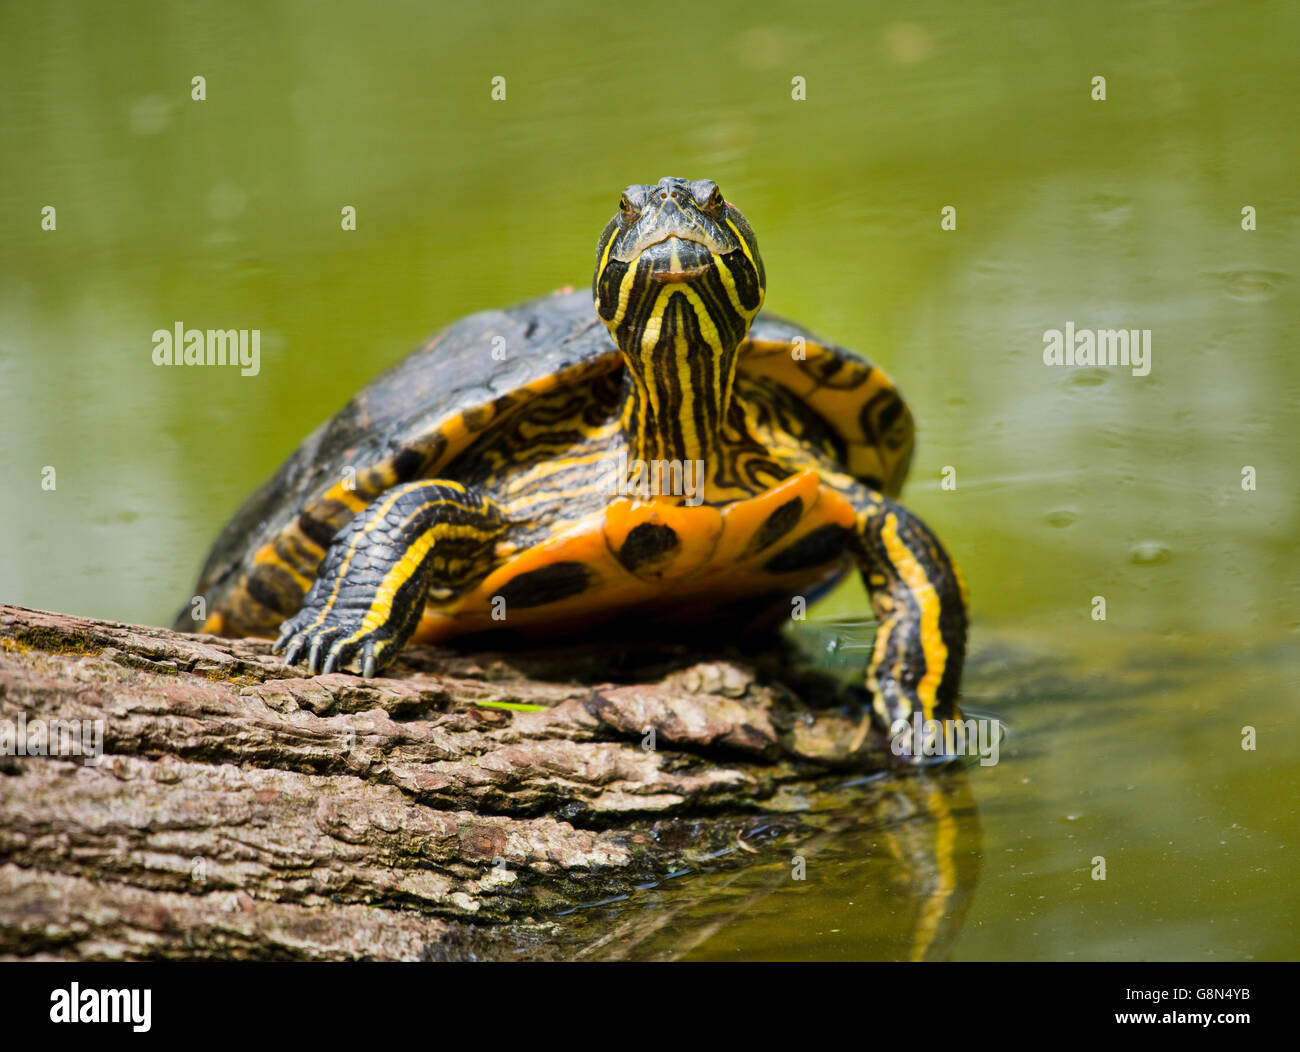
(240, 810)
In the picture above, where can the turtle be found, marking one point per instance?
(674, 461)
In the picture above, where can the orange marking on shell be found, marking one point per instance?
(698, 530)
(347, 497)
(706, 570)
(743, 519)
(268, 555)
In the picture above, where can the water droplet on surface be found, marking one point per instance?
(1149, 553)
(1250, 285)
(1061, 518)
(1087, 377)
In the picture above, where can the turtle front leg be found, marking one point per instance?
(919, 599)
(372, 584)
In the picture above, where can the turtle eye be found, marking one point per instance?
(708, 196)
(626, 206)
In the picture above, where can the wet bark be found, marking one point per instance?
(240, 810)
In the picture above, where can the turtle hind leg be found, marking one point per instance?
(370, 592)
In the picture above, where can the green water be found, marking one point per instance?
(1070, 484)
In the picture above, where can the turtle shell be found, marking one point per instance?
(414, 419)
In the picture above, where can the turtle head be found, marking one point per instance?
(677, 261)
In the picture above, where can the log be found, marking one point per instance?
(454, 809)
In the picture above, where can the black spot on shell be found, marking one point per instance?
(778, 524)
(334, 512)
(478, 418)
(547, 585)
(825, 368)
(322, 533)
(890, 413)
(407, 464)
(825, 544)
(647, 544)
(879, 415)
(275, 589)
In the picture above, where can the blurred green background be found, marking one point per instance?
(225, 213)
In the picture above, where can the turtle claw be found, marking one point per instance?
(313, 658)
(327, 647)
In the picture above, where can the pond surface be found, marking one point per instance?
(1071, 483)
